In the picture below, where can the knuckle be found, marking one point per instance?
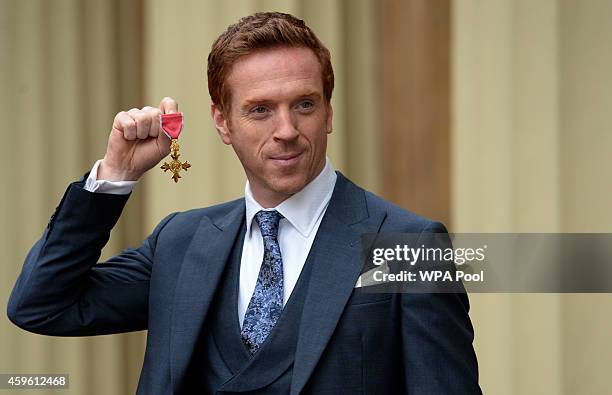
(140, 117)
(128, 124)
(129, 133)
(152, 113)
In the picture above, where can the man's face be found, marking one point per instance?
(278, 121)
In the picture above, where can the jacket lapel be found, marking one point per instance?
(200, 274)
(337, 265)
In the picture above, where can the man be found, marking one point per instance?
(255, 295)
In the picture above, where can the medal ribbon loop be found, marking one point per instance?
(172, 124)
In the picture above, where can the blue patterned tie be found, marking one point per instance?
(266, 303)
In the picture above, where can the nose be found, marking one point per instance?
(286, 127)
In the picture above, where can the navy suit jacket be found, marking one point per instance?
(349, 340)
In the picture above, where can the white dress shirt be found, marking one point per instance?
(92, 184)
(302, 214)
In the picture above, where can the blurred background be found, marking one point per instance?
(490, 115)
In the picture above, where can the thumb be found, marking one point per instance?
(163, 144)
(168, 106)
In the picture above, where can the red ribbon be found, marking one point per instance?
(172, 124)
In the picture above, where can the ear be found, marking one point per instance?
(221, 122)
(330, 117)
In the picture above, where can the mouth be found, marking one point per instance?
(289, 159)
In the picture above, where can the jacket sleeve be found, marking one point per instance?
(437, 337)
(63, 291)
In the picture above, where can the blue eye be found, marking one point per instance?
(259, 110)
(306, 105)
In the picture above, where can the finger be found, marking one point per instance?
(126, 125)
(168, 106)
(143, 123)
(153, 114)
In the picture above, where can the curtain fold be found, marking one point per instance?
(67, 67)
(530, 153)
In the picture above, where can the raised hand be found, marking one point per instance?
(136, 142)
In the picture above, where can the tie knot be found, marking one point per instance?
(268, 222)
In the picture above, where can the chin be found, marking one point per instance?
(289, 185)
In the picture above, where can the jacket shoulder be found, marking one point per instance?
(190, 219)
(396, 219)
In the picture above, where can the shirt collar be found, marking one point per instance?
(303, 208)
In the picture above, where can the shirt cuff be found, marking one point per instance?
(92, 184)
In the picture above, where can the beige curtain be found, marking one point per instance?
(532, 153)
(67, 66)
(66, 69)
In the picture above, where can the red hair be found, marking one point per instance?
(259, 31)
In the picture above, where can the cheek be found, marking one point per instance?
(314, 130)
(247, 136)
(318, 139)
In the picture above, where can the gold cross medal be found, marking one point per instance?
(172, 125)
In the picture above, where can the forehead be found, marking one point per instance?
(275, 72)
